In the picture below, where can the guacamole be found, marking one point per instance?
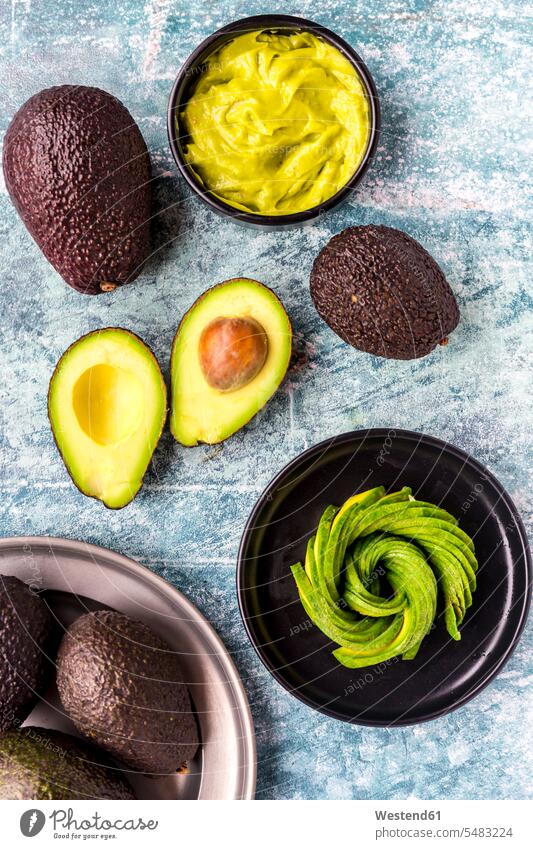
(277, 122)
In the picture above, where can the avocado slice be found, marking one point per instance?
(230, 354)
(78, 172)
(40, 763)
(28, 642)
(416, 545)
(123, 687)
(382, 292)
(107, 405)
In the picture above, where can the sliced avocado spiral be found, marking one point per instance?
(372, 572)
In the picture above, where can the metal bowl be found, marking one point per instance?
(184, 83)
(77, 577)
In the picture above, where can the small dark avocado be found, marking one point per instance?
(28, 639)
(381, 292)
(78, 172)
(39, 763)
(122, 686)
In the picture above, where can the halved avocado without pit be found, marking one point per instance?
(107, 405)
(230, 354)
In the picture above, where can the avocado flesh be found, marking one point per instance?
(39, 763)
(201, 413)
(419, 548)
(78, 172)
(123, 687)
(28, 641)
(107, 406)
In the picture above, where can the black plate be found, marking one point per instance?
(445, 673)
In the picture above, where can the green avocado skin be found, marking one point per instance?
(383, 293)
(39, 763)
(78, 172)
(28, 640)
(122, 686)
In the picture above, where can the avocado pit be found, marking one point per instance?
(232, 351)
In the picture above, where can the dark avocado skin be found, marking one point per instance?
(381, 292)
(122, 686)
(38, 763)
(28, 640)
(78, 172)
(191, 309)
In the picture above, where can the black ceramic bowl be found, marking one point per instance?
(187, 77)
(445, 674)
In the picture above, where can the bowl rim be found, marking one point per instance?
(383, 433)
(273, 21)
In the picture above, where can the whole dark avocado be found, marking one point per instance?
(39, 763)
(122, 686)
(28, 639)
(381, 292)
(78, 172)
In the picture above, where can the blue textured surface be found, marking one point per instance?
(451, 171)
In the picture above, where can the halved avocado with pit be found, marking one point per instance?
(107, 405)
(229, 356)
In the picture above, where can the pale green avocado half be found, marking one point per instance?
(107, 405)
(200, 413)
